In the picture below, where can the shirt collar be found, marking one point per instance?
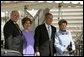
(15, 22)
(63, 33)
(46, 25)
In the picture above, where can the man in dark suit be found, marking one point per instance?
(12, 33)
(44, 37)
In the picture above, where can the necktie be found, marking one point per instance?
(50, 42)
(49, 32)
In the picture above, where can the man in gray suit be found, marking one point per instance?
(12, 33)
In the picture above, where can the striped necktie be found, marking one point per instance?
(49, 32)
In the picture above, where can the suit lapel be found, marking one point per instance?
(17, 27)
(46, 32)
(52, 34)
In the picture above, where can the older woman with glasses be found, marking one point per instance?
(63, 40)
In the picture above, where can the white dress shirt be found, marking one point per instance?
(48, 27)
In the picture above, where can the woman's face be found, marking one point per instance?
(27, 25)
(63, 26)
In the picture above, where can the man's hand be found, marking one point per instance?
(37, 54)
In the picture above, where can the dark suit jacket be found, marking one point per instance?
(42, 42)
(13, 38)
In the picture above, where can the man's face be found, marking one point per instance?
(63, 26)
(49, 19)
(15, 16)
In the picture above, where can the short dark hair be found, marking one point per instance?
(62, 21)
(47, 14)
(26, 19)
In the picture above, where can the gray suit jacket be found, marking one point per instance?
(13, 38)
